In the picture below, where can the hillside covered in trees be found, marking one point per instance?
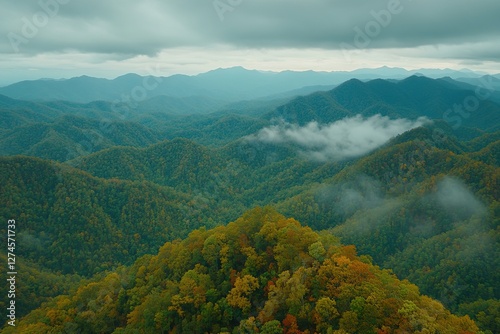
(263, 273)
(99, 188)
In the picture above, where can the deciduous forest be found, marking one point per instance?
(353, 209)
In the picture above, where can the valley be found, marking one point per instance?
(176, 210)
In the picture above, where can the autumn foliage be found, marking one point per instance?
(263, 273)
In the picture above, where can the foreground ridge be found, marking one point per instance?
(263, 273)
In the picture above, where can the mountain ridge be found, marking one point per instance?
(228, 84)
(411, 98)
(418, 203)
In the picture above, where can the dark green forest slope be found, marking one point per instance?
(410, 98)
(62, 130)
(386, 204)
(73, 222)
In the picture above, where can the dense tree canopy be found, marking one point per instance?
(425, 204)
(263, 273)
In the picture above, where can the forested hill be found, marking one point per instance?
(263, 273)
(391, 204)
(424, 203)
(70, 136)
(410, 98)
(76, 223)
(429, 214)
(62, 130)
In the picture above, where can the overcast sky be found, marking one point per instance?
(107, 38)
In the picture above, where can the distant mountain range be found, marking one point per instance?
(62, 130)
(227, 85)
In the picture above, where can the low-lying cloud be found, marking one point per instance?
(454, 197)
(341, 140)
(362, 192)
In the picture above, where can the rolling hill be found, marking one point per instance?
(424, 203)
(76, 223)
(68, 137)
(262, 273)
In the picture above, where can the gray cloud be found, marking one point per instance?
(147, 27)
(111, 27)
(113, 37)
(344, 139)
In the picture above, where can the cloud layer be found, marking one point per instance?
(262, 34)
(344, 139)
(147, 27)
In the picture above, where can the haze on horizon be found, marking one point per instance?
(67, 38)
